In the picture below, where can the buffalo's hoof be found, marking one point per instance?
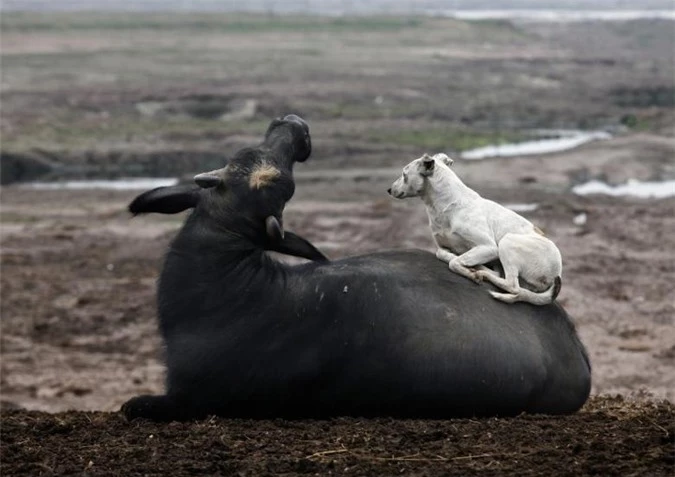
(155, 408)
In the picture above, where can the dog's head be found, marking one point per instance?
(415, 175)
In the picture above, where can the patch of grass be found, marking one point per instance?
(18, 218)
(218, 22)
(660, 96)
(351, 110)
(438, 139)
(492, 27)
(78, 133)
(637, 123)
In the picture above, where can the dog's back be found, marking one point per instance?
(472, 231)
(504, 220)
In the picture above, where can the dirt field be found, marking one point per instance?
(78, 274)
(78, 332)
(95, 95)
(609, 437)
(113, 94)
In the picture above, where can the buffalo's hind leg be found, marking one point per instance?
(155, 408)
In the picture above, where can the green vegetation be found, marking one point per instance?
(662, 96)
(81, 133)
(85, 81)
(218, 22)
(636, 123)
(19, 217)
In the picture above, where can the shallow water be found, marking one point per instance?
(565, 140)
(634, 188)
(125, 183)
(561, 15)
(522, 207)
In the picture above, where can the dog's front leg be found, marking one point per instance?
(445, 255)
(476, 256)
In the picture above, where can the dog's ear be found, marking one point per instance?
(444, 158)
(427, 166)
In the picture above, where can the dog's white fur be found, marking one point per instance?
(471, 231)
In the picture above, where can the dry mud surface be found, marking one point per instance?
(608, 437)
(79, 332)
(78, 275)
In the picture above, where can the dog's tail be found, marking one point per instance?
(523, 294)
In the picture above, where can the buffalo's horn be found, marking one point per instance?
(274, 229)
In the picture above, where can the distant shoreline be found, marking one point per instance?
(562, 15)
(347, 9)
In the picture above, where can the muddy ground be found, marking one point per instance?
(110, 94)
(609, 437)
(79, 332)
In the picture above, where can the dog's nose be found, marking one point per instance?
(389, 191)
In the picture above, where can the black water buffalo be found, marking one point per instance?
(287, 141)
(383, 334)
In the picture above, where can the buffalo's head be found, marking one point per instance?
(246, 198)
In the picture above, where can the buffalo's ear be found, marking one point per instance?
(207, 180)
(166, 200)
(427, 166)
(297, 246)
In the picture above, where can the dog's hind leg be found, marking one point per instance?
(523, 294)
(505, 297)
(509, 283)
(445, 255)
(473, 258)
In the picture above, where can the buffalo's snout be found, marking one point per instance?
(297, 119)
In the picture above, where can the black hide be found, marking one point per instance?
(385, 334)
(286, 141)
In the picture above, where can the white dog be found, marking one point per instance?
(471, 231)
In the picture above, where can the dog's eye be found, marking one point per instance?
(405, 179)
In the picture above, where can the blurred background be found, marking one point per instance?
(562, 110)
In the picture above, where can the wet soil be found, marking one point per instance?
(77, 276)
(610, 436)
(79, 332)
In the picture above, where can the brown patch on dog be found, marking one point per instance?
(539, 231)
(262, 176)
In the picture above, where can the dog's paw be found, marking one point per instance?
(505, 297)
